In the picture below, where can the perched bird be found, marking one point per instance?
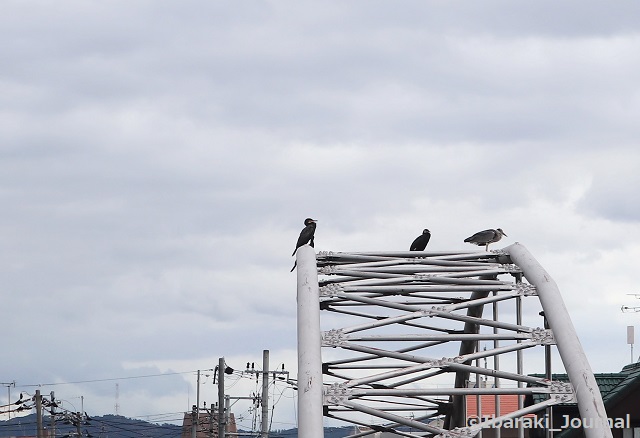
(486, 237)
(306, 236)
(421, 241)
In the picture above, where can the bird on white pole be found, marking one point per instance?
(306, 236)
(420, 243)
(486, 237)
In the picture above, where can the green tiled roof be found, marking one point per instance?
(612, 385)
(631, 380)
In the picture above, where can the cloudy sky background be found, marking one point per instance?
(158, 159)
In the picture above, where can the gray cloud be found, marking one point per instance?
(157, 161)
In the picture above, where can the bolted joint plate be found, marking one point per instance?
(336, 394)
(543, 336)
(333, 338)
(444, 362)
(330, 291)
(327, 270)
(511, 268)
(458, 432)
(526, 290)
(563, 392)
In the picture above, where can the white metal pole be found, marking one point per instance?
(496, 366)
(573, 357)
(630, 339)
(519, 358)
(310, 403)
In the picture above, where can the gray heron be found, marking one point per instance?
(486, 237)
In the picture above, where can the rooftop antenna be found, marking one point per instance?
(9, 385)
(627, 309)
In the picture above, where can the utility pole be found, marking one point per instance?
(221, 424)
(265, 389)
(224, 405)
(195, 412)
(211, 413)
(52, 434)
(194, 421)
(265, 395)
(40, 429)
(227, 409)
(9, 385)
(78, 423)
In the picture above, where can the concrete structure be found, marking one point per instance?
(207, 425)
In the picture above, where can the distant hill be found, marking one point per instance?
(117, 426)
(329, 432)
(107, 426)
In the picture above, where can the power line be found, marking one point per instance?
(39, 385)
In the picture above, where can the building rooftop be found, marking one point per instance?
(613, 386)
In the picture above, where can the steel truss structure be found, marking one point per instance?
(400, 341)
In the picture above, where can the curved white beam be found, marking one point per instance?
(575, 361)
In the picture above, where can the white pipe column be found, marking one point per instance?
(310, 402)
(573, 357)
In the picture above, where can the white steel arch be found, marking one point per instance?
(407, 337)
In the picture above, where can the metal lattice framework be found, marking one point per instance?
(405, 338)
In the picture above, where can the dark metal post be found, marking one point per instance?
(221, 425)
(265, 395)
(40, 429)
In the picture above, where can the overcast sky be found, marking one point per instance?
(158, 159)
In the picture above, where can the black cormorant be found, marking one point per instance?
(306, 236)
(421, 241)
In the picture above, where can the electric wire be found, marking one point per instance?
(37, 385)
(233, 379)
